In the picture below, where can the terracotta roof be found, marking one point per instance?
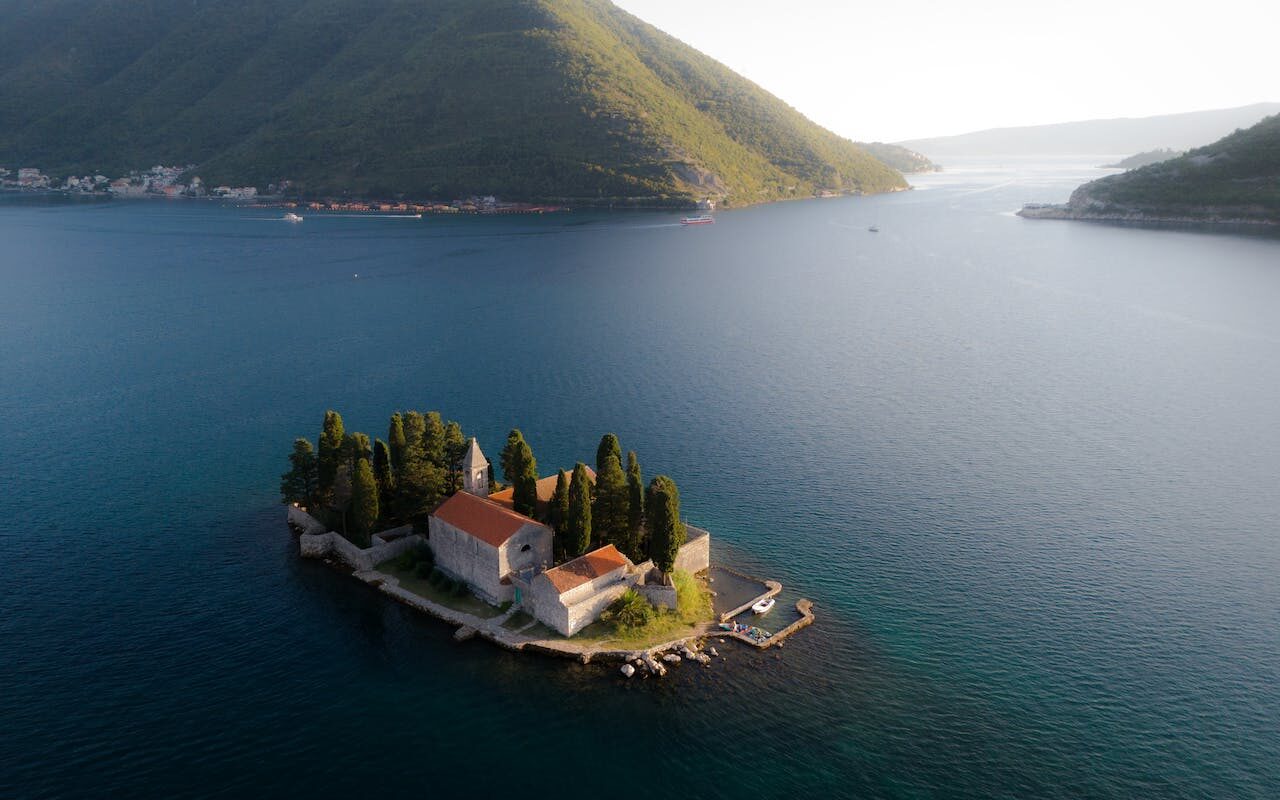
(546, 489)
(586, 568)
(486, 521)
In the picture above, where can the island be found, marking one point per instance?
(1234, 181)
(591, 563)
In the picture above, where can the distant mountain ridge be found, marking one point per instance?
(568, 100)
(1233, 180)
(1097, 137)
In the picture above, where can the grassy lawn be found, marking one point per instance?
(693, 607)
(467, 603)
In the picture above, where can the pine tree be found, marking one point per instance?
(330, 456)
(299, 484)
(455, 447)
(396, 441)
(666, 531)
(578, 524)
(609, 515)
(608, 446)
(419, 488)
(637, 547)
(364, 501)
(383, 474)
(558, 514)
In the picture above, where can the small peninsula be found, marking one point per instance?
(1234, 181)
(592, 564)
(1145, 158)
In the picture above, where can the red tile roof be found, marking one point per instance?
(586, 568)
(546, 490)
(486, 521)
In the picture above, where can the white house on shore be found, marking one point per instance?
(571, 596)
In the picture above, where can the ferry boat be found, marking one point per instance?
(701, 219)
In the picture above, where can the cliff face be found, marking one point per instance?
(1233, 180)
(567, 100)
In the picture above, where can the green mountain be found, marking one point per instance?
(899, 157)
(537, 99)
(1235, 179)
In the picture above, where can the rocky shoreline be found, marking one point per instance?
(1068, 212)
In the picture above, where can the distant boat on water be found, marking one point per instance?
(292, 217)
(701, 219)
(874, 229)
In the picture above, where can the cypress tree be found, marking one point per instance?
(414, 427)
(558, 514)
(609, 446)
(578, 524)
(609, 516)
(364, 501)
(507, 459)
(525, 494)
(433, 439)
(357, 446)
(666, 531)
(383, 474)
(299, 484)
(455, 447)
(396, 441)
(330, 456)
(637, 546)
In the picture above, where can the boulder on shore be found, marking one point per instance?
(628, 670)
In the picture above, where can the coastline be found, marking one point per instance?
(1066, 212)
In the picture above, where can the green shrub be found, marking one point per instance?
(631, 610)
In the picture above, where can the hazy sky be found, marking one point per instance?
(900, 69)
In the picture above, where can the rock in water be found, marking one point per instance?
(671, 658)
(628, 670)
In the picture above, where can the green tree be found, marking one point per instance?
(299, 484)
(666, 531)
(414, 427)
(396, 441)
(525, 486)
(455, 447)
(608, 446)
(357, 446)
(637, 546)
(609, 515)
(433, 439)
(364, 501)
(578, 522)
(558, 514)
(419, 489)
(330, 456)
(507, 458)
(383, 473)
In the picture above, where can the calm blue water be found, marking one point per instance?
(1027, 471)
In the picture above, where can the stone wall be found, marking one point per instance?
(658, 596)
(334, 545)
(303, 522)
(464, 557)
(695, 553)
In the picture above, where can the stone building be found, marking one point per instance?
(483, 544)
(475, 471)
(571, 596)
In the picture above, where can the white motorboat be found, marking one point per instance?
(764, 606)
(292, 217)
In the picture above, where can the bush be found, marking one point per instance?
(631, 610)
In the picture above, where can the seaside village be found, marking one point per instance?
(511, 563)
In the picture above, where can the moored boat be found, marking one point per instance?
(764, 606)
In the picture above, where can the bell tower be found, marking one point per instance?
(475, 471)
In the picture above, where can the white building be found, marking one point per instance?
(571, 596)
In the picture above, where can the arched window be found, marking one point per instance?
(526, 548)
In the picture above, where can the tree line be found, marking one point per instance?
(616, 508)
(359, 487)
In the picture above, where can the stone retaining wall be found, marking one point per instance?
(334, 545)
(695, 553)
(657, 595)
